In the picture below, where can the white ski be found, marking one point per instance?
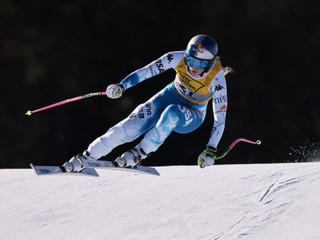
(49, 170)
(109, 165)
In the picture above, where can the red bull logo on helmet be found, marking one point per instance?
(198, 48)
(200, 52)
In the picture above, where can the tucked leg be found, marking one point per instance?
(174, 118)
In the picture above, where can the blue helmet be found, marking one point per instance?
(201, 52)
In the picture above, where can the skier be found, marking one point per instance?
(181, 106)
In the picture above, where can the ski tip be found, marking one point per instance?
(155, 172)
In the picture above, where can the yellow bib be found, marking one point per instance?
(195, 90)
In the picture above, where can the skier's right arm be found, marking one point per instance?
(167, 61)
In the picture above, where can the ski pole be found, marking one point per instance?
(258, 142)
(65, 101)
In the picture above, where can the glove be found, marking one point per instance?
(207, 157)
(114, 91)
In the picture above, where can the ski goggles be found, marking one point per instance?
(197, 63)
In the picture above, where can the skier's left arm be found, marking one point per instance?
(219, 105)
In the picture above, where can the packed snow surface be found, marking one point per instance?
(225, 202)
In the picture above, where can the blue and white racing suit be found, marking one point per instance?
(181, 106)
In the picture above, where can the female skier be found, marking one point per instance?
(181, 106)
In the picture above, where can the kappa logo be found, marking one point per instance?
(170, 58)
(218, 88)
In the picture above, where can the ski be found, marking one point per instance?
(109, 165)
(49, 170)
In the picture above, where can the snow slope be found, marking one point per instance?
(262, 201)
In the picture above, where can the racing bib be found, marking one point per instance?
(195, 90)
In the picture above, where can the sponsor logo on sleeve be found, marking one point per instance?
(223, 108)
(218, 88)
(169, 57)
(221, 99)
(160, 66)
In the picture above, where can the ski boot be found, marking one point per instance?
(75, 164)
(131, 158)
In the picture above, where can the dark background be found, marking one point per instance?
(54, 50)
